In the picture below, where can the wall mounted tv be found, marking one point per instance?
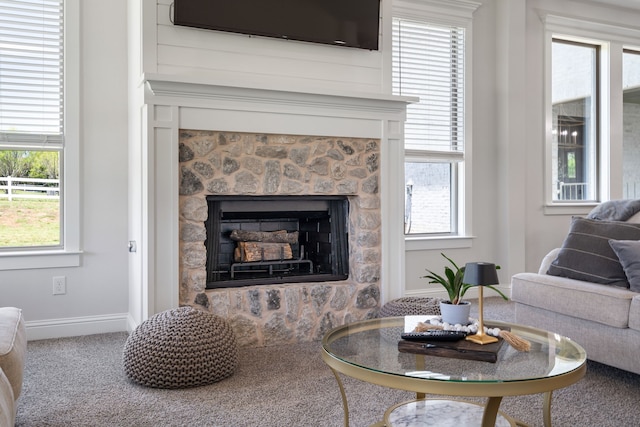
(351, 23)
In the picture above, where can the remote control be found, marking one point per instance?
(434, 335)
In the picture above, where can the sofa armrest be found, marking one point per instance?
(7, 402)
(13, 346)
(547, 260)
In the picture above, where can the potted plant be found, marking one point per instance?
(455, 310)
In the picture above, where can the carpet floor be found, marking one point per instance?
(80, 382)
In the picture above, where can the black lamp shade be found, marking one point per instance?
(480, 274)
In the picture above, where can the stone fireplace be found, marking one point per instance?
(204, 140)
(252, 169)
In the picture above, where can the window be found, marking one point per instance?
(631, 124)
(31, 122)
(429, 63)
(38, 137)
(592, 84)
(574, 94)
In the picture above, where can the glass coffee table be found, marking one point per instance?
(368, 350)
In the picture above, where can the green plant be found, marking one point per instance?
(452, 281)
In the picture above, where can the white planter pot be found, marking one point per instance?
(455, 313)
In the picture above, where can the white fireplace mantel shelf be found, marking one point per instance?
(163, 86)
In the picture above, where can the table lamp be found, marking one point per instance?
(480, 274)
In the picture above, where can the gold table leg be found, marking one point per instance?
(491, 412)
(547, 409)
(420, 366)
(345, 406)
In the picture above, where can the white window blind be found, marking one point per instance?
(31, 72)
(428, 62)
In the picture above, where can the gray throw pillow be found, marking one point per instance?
(586, 253)
(628, 252)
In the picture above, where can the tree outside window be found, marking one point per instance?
(31, 123)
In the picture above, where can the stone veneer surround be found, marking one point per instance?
(235, 163)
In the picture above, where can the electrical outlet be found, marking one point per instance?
(59, 285)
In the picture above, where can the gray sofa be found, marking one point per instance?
(602, 317)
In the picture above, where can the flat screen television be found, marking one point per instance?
(350, 23)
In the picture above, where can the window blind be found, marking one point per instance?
(428, 62)
(31, 72)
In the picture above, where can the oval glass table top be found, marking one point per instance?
(372, 345)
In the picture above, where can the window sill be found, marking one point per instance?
(39, 259)
(569, 209)
(419, 243)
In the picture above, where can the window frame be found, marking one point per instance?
(597, 110)
(626, 194)
(459, 14)
(456, 164)
(612, 42)
(69, 254)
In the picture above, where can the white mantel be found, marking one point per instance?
(170, 105)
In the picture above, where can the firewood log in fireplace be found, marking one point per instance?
(263, 245)
(280, 236)
(260, 251)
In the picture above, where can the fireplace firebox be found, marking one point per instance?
(259, 240)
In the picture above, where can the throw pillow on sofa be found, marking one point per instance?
(628, 252)
(586, 254)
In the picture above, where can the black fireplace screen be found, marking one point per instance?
(276, 239)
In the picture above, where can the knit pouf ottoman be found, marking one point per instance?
(411, 306)
(181, 348)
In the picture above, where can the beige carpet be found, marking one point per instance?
(79, 382)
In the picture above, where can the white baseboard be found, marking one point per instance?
(131, 323)
(471, 293)
(76, 326)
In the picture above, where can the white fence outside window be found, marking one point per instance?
(572, 190)
(29, 188)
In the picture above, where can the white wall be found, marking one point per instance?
(236, 59)
(96, 298)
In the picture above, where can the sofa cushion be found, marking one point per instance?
(13, 346)
(615, 210)
(628, 252)
(586, 253)
(600, 303)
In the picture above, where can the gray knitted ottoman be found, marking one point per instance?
(408, 306)
(181, 348)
